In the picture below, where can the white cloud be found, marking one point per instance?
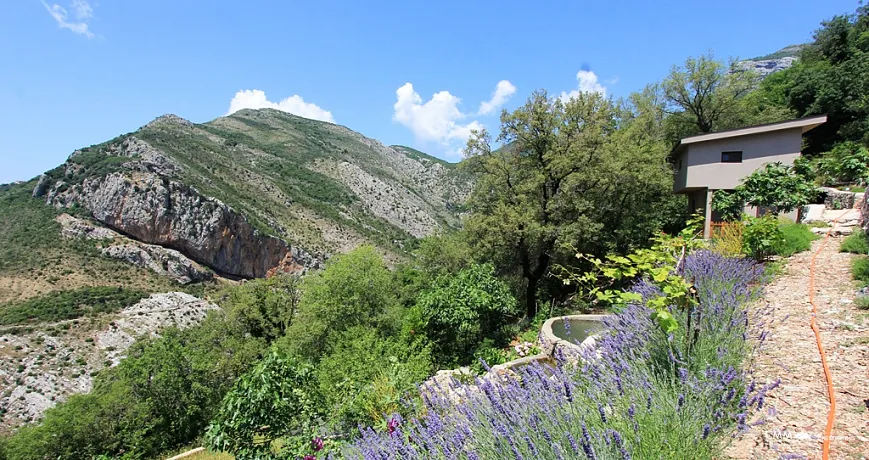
(83, 9)
(588, 83)
(439, 120)
(503, 91)
(82, 13)
(256, 99)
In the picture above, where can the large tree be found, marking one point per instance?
(831, 78)
(704, 94)
(570, 175)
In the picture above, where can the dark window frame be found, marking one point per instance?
(732, 156)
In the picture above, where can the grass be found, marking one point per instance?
(797, 238)
(860, 269)
(59, 306)
(856, 243)
(862, 302)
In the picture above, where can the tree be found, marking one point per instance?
(830, 78)
(774, 186)
(578, 174)
(263, 307)
(354, 289)
(461, 310)
(277, 398)
(704, 93)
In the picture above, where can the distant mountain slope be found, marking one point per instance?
(258, 190)
(773, 62)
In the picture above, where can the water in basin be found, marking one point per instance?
(580, 329)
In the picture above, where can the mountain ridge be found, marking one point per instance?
(318, 187)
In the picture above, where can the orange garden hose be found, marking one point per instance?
(831, 415)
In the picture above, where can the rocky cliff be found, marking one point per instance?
(257, 192)
(156, 210)
(774, 62)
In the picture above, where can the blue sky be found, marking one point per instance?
(79, 72)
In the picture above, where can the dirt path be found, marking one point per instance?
(796, 412)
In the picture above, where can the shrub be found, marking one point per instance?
(856, 243)
(653, 396)
(796, 238)
(355, 289)
(461, 310)
(263, 307)
(860, 269)
(728, 204)
(366, 375)
(775, 186)
(58, 306)
(728, 240)
(847, 162)
(275, 399)
(761, 236)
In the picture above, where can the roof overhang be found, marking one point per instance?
(804, 123)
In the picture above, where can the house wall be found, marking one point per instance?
(703, 168)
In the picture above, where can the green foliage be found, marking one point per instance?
(367, 375)
(277, 398)
(847, 162)
(856, 243)
(761, 237)
(263, 307)
(795, 238)
(776, 186)
(860, 269)
(444, 253)
(461, 310)
(355, 289)
(704, 94)
(62, 305)
(586, 173)
(659, 264)
(160, 397)
(830, 79)
(728, 204)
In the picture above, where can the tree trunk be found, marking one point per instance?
(531, 298)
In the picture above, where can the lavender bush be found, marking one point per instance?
(640, 394)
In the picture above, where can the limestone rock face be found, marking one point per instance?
(166, 262)
(51, 367)
(768, 66)
(159, 211)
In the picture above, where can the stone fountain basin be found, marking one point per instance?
(581, 333)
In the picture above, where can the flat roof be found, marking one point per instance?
(804, 123)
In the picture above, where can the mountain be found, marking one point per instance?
(129, 236)
(773, 62)
(258, 190)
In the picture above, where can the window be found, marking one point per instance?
(731, 157)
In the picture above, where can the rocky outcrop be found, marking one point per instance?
(767, 66)
(166, 262)
(156, 210)
(41, 368)
(70, 227)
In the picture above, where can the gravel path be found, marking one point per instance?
(796, 412)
